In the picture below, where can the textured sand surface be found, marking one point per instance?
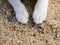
(14, 33)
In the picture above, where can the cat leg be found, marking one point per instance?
(20, 10)
(40, 11)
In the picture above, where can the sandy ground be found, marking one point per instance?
(15, 33)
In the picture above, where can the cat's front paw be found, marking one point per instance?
(39, 16)
(22, 16)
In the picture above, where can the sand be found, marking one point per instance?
(15, 33)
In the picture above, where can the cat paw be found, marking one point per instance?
(22, 15)
(39, 16)
(20, 10)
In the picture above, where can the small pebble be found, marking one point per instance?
(10, 18)
(40, 29)
(23, 30)
(32, 24)
(47, 38)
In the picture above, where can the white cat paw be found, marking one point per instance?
(22, 15)
(39, 16)
(20, 10)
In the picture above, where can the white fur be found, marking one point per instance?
(20, 10)
(40, 11)
(39, 14)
